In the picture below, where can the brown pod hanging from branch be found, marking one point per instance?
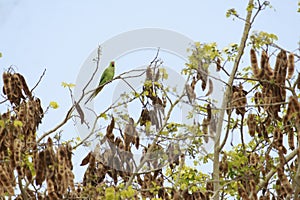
(145, 117)
(281, 75)
(268, 71)
(219, 67)
(298, 81)
(205, 124)
(263, 66)
(291, 138)
(291, 65)
(251, 123)
(254, 65)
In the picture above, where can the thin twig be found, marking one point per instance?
(67, 117)
(39, 80)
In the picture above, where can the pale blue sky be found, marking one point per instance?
(59, 35)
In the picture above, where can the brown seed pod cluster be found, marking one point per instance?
(223, 167)
(273, 93)
(55, 168)
(151, 89)
(116, 161)
(247, 187)
(6, 183)
(17, 133)
(148, 181)
(131, 135)
(173, 152)
(283, 185)
(239, 100)
(291, 117)
(15, 87)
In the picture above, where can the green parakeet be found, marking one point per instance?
(107, 76)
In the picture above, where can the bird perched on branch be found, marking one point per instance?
(106, 77)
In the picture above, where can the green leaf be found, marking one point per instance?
(18, 123)
(110, 193)
(53, 104)
(103, 115)
(250, 7)
(69, 85)
(231, 12)
(2, 123)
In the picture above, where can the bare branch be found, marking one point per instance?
(44, 72)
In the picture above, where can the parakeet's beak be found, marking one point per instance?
(113, 63)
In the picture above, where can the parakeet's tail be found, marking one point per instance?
(90, 98)
(94, 94)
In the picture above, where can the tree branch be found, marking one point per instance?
(217, 149)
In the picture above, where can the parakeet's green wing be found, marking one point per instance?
(106, 76)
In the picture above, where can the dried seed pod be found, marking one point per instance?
(254, 64)
(51, 189)
(242, 192)
(291, 108)
(278, 140)
(291, 138)
(291, 65)
(251, 123)
(109, 130)
(208, 108)
(190, 93)
(157, 75)
(71, 177)
(205, 124)
(298, 81)
(258, 100)
(17, 156)
(129, 134)
(268, 71)
(263, 61)
(145, 117)
(252, 185)
(23, 85)
(235, 99)
(28, 173)
(268, 165)
(268, 96)
(5, 180)
(193, 83)
(253, 159)
(210, 88)
(6, 79)
(219, 67)
(202, 75)
(284, 181)
(137, 142)
(149, 75)
(282, 68)
(40, 168)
